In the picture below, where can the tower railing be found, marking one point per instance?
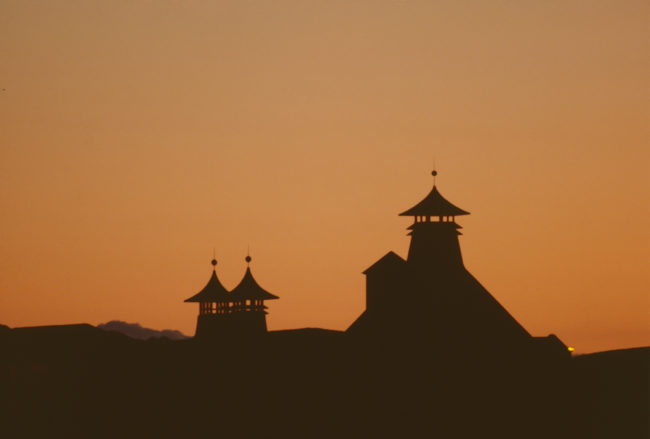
(206, 308)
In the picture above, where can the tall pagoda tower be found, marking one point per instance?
(434, 232)
(238, 313)
(431, 294)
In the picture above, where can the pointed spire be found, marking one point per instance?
(248, 288)
(435, 170)
(434, 204)
(213, 291)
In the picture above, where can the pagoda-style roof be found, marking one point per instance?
(434, 204)
(249, 289)
(212, 292)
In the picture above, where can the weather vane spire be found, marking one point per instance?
(434, 172)
(248, 255)
(214, 257)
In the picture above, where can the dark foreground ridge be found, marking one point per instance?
(78, 380)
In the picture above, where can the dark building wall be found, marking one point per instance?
(230, 325)
(435, 244)
(384, 289)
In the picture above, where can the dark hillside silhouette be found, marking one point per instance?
(82, 381)
(134, 330)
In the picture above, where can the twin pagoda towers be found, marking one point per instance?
(240, 312)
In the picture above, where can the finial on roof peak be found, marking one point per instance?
(434, 204)
(434, 172)
(213, 262)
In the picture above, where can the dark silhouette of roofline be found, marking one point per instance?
(213, 291)
(434, 204)
(248, 288)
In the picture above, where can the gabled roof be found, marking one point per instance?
(434, 204)
(248, 288)
(390, 259)
(212, 292)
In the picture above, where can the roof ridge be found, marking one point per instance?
(434, 204)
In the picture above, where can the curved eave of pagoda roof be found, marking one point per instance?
(212, 292)
(434, 204)
(440, 224)
(411, 233)
(248, 288)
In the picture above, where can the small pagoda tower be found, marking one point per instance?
(247, 300)
(213, 304)
(238, 313)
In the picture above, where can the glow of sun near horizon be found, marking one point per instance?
(136, 136)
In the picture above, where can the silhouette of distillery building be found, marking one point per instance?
(432, 296)
(429, 297)
(240, 312)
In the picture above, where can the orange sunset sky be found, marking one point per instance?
(135, 136)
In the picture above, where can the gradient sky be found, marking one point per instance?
(135, 136)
